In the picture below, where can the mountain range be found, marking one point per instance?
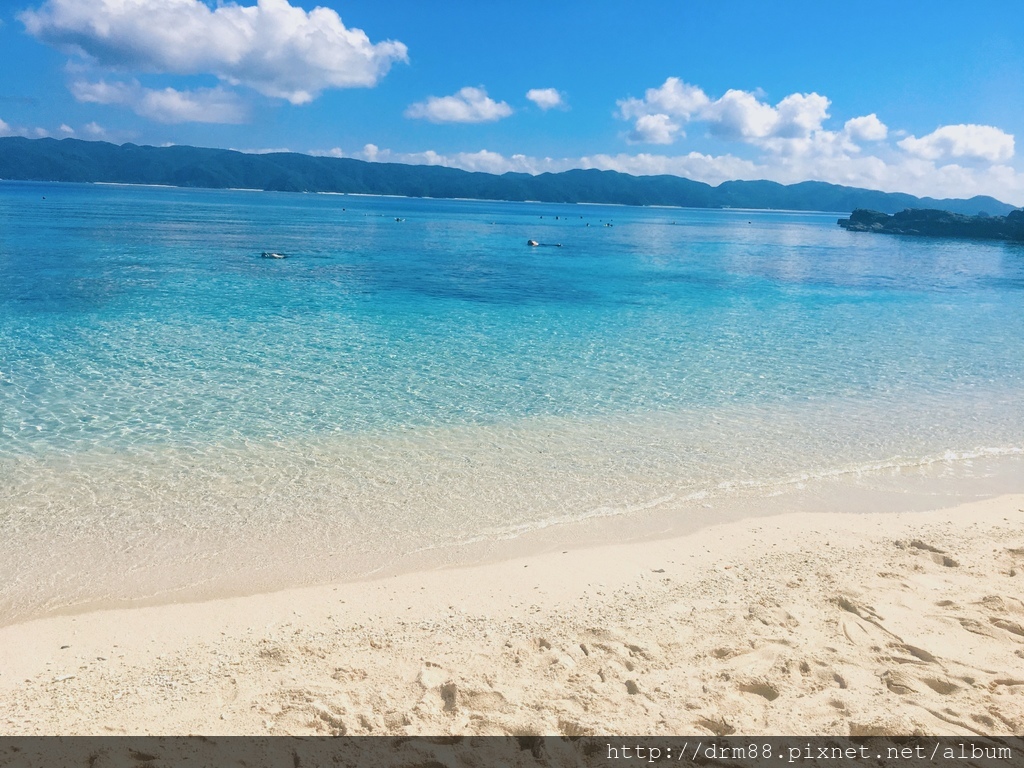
(73, 160)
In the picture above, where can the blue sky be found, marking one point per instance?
(926, 98)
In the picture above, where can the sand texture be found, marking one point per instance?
(802, 623)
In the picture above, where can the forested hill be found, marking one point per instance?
(95, 161)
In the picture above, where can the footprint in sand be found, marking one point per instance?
(937, 555)
(326, 719)
(1013, 627)
(227, 691)
(761, 688)
(772, 616)
(432, 675)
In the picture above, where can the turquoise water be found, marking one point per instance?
(177, 413)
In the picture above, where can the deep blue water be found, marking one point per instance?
(156, 374)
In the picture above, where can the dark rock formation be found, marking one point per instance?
(930, 223)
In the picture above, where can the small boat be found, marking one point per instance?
(532, 243)
(272, 255)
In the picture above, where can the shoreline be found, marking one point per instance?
(172, 567)
(804, 622)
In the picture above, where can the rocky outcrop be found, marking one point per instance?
(930, 223)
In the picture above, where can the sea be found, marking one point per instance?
(414, 386)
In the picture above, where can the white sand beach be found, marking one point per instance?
(800, 623)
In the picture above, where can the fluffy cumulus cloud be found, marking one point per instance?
(654, 129)
(674, 98)
(5, 129)
(469, 105)
(791, 141)
(167, 105)
(275, 48)
(867, 128)
(659, 115)
(545, 98)
(962, 142)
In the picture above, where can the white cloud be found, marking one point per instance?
(967, 142)
(867, 128)
(738, 115)
(469, 105)
(795, 145)
(799, 115)
(205, 105)
(674, 98)
(484, 160)
(741, 115)
(707, 168)
(654, 129)
(9, 130)
(95, 129)
(264, 150)
(103, 92)
(545, 98)
(278, 50)
(916, 176)
(333, 152)
(66, 129)
(694, 165)
(167, 105)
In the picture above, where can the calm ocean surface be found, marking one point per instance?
(181, 417)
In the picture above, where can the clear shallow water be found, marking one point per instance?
(177, 413)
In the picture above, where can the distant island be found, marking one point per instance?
(72, 160)
(932, 223)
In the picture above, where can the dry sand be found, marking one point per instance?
(801, 623)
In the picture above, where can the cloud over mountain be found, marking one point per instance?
(167, 105)
(794, 142)
(962, 142)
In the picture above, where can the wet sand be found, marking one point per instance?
(809, 623)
